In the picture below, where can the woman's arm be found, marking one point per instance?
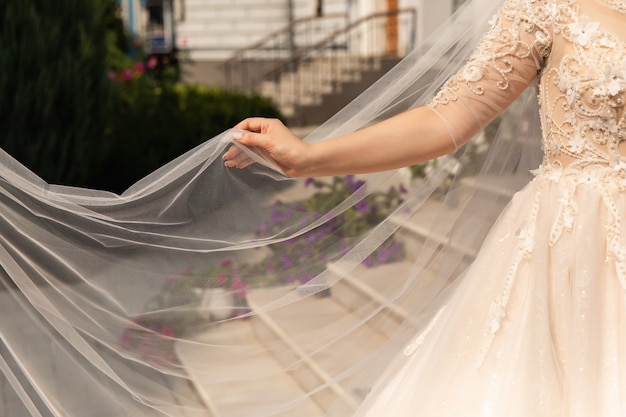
(411, 137)
(506, 61)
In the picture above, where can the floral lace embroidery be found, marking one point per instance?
(618, 5)
(582, 95)
(522, 37)
(591, 85)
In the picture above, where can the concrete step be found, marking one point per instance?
(436, 219)
(313, 79)
(326, 338)
(363, 287)
(241, 397)
(319, 339)
(343, 92)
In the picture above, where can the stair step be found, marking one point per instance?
(305, 335)
(309, 327)
(503, 186)
(380, 284)
(435, 219)
(241, 397)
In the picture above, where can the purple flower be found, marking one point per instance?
(403, 189)
(356, 185)
(305, 279)
(310, 238)
(309, 181)
(286, 261)
(362, 206)
(277, 216)
(289, 279)
(262, 229)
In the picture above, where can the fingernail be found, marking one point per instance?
(237, 135)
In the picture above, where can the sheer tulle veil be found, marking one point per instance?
(208, 291)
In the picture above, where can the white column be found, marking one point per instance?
(430, 14)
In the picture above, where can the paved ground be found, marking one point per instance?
(62, 373)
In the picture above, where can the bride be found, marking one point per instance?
(530, 325)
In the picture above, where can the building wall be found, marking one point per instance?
(210, 31)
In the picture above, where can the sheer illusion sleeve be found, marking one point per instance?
(507, 60)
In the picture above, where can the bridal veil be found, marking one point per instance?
(201, 289)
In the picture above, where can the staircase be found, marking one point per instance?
(297, 332)
(315, 66)
(322, 87)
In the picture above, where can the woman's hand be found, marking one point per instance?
(291, 155)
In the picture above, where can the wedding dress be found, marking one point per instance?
(98, 289)
(536, 326)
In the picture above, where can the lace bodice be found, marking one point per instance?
(575, 49)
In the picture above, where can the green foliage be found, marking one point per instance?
(54, 91)
(75, 109)
(155, 121)
(117, 41)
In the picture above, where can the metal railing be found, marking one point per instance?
(244, 69)
(314, 56)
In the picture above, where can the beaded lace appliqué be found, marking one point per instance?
(618, 5)
(592, 85)
(583, 101)
(499, 47)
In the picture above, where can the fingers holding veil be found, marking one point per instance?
(268, 142)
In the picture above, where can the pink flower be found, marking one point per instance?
(239, 288)
(167, 331)
(112, 75)
(139, 67)
(171, 278)
(128, 74)
(126, 340)
(221, 280)
(152, 62)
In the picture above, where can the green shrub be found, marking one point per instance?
(54, 91)
(155, 122)
(76, 110)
